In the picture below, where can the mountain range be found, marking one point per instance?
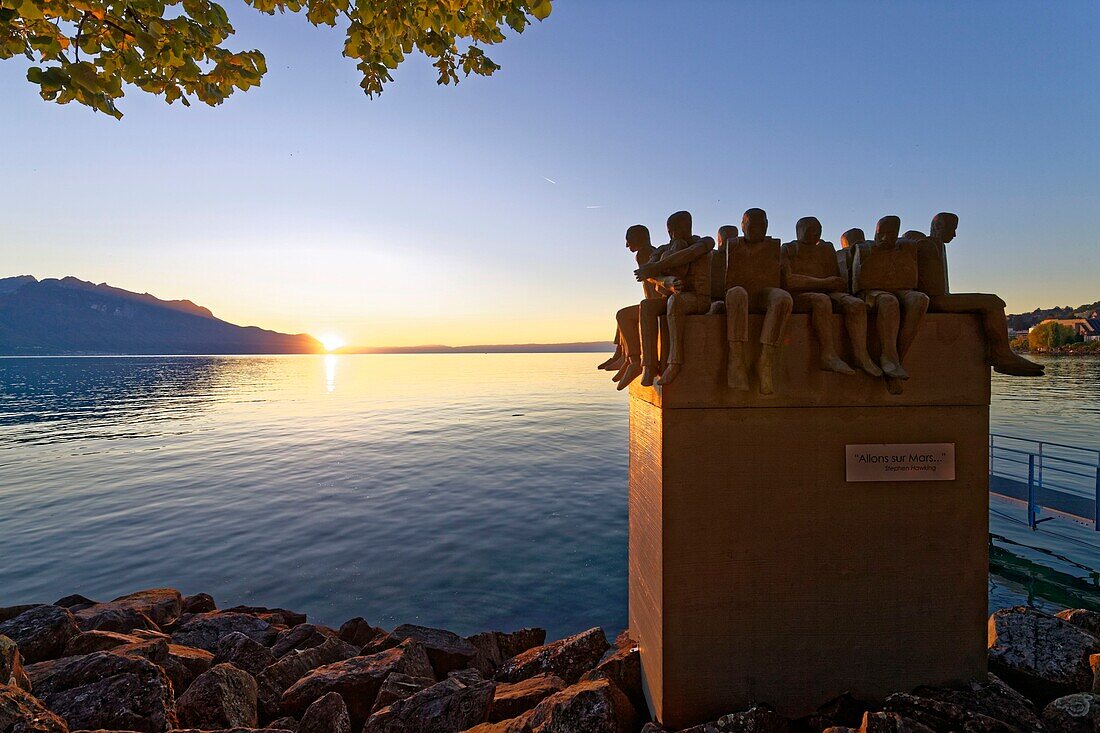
(70, 316)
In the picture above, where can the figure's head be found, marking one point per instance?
(944, 226)
(887, 230)
(726, 233)
(913, 235)
(754, 225)
(637, 237)
(679, 226)
(852, 237)
(808, 230)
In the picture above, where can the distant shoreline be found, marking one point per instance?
(399, 351)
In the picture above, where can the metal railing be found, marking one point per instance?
(1064, 479)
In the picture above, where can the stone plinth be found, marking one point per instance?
(758, 573)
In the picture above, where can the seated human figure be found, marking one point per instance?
(813, 277)
(844, 258)
(933, 281)
(626, 361)
(727, 233)
(884, 275)
(753, 275)
(680, 271)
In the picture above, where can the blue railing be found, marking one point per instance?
(1062, 479)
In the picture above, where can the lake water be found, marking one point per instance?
(463, 491)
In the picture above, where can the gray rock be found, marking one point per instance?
(277, 678)
(885, 722)
(41, 632)
(221, 697)
(357, 680)
(205, 630)
(275, 616)
(510, 700)
(567, 658)
(1078, 713)
(198, 603)
(942, 715)
(9, 612)
(623, 666)
(990, 698)
(244, 653)
(118, 620)
(359, 633)
(21, 713)
(449, 706)
(1082, 618)
(1040, 655)
(494, 647)
(11, 666)
(287, 723)
(111, 691)
(595, 706)
(327, 714)
(398, 686)
(87, 642)
(302, 636)
(74, 602)
(446, 651)
(161, 605)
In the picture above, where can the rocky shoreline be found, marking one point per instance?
(157, 661)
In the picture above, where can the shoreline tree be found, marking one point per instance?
(87, 51)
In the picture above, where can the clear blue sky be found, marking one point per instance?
(425, 216)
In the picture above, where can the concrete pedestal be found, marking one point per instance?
(759, 573)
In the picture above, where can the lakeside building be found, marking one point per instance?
(1087, 327)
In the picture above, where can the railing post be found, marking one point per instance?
(1040, 481)
(1031, 491)
(1096, 506)
(991, 454)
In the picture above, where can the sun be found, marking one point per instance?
(331, 342)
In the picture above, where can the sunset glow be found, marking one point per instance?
(331, 342)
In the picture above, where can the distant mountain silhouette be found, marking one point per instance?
(71, 316)
(573, 346)
(1024, 321)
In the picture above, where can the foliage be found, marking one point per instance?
(1050, 335)
(1019, 343)
(88, 49)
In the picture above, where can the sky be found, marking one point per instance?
(494, 211)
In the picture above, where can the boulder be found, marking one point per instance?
(11, 666)
(327, 714)
(1040, 655)
(446, 651)
(449, 706)
(1078, 713)
(357, 679)
(595, 706)
(843, 711)
(268, 729)
(568, 658)
(990, 698)
(244, 653)
(512, 725)
(1094, 663)
(9, 612)
(21, 713)
(359, 633)
(161, 605)
(112, 691)
(302, 636)
(221, 697)
(278, 677)
(757, 719)
(884, 722)
(185, 663)
(276, 616)
(41, 632)
(623, 666)
(74, 602)
(205, 630)
(118, 620)
(839, 729)
(198, 603)
(398, 686)
(512, 699)
(942, 715)
(1082, 618)
(87, 642)
(288, 723)
(494, 647)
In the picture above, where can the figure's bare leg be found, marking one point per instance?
(779, 306)
(631, 341)
(914, 304)
(618, 358)
(820, 308)
(666, 340)
(649, 314)
(737, 334)
(676, 317)
(887, 322)
(855, 323)
(995, 327)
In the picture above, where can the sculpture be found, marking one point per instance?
(626, 361)
(884, 274)
(933, 281)
(753, 282)
(812, 274)
(680, 270)
(844, 258)
(727, 233)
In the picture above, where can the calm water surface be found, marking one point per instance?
(465, 491)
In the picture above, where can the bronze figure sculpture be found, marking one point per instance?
(753, 282)
(680, 270)
(812, 274)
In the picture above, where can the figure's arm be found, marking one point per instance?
(682, 257)
(805, 283)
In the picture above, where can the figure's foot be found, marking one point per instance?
(893, 369)
(627, 374)
(647, 376)
(622, 370)
(765, 368)
(668, 374)
(834, 363)
(894, 386)
(737, 376)
(615, 363)
(869, 366)
(1017, 366)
